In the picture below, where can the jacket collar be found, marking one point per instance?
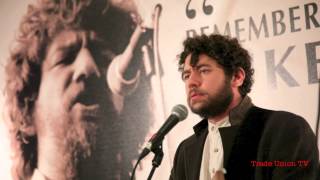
(236, 115)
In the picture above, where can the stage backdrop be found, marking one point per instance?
(283, 38)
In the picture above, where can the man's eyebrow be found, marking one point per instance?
(65, 45)
(198, 66)
(185, 71)
(68, 46)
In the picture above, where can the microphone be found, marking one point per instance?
(178, 113)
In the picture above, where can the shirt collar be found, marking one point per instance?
(213, 127)
(222, 123)
(236, 115)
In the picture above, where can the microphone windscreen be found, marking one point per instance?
(180, 111)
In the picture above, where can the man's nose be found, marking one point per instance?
(194, 80)
(85, 65)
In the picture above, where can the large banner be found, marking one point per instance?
(144, 37)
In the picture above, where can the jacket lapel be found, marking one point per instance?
(228, 135)
(194, 156)
(194, 150)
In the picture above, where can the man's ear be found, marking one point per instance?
(238, 77)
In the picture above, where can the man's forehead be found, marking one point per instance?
(69, 39)
(201, 60)
(70, 36)
(64, 38)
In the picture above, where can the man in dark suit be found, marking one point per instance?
(237, 140)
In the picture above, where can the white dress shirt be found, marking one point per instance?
(212, 157)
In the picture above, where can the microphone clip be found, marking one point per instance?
(157, 159)
(156, 148)
(158, 154)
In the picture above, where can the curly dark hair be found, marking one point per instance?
(38, 27)
(225, 50)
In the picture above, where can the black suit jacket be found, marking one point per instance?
(264, 136)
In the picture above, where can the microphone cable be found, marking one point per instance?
(135, 167)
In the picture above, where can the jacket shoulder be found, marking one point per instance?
(288, 121)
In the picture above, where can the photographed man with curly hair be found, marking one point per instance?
(236, 139)
(67, 79)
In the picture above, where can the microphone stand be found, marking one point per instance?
(156, 161)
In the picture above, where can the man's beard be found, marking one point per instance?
(80, 141)
(215, 104)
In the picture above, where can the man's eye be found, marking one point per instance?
(69, 58)
(66, 58)
(185, 77)
(204, 71)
